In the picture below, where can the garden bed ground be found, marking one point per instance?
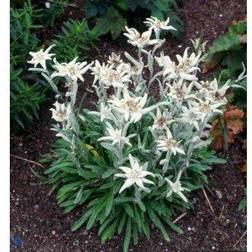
(37, 223)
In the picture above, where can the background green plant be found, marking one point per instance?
(230, 53)
(112, 16)
(75, 39)
(26, 94)
(56, 10)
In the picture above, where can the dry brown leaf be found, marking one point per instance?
(233, 119)
(244, 168)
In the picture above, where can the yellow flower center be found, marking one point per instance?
(131, 105)
(161, 121)
(170, 143)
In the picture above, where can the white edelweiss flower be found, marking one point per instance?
(211, 90)
(191, 115)
(117, 77)
(175, 187)
(60, 69)
(61, 112)
(169, 67)
(74, 70)
(207, 108)
(104, 113)
(157, 25)
(131, 108)
(186, 67)
(101, 71)
(179, 91)
(136, 70)
(40, 57)
(135, 175)
(168, 144)
(114, 59)
(190, 61)
(139, 40)
(116, 135)
(161, 120)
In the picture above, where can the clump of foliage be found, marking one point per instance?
(230, 51)
(26, 94)
(76, 39)
(134, 161)
(111, 16)
(53, 10)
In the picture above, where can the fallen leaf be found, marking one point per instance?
(231, 121)
(244, 168)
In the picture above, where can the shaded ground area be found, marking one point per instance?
(38, 224)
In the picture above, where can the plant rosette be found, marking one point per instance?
(134, 161)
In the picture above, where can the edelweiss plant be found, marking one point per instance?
(134, 160)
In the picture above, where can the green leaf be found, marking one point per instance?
(173, 226)
(123, 4)
(123, 199)
(108, 173)
(111, 22)
(109, 231)
(134, 234)
(216, 160)
(126, 241)
(128, 210)
(58, 167)
(90, 10)
(155, 219)
(77, 224)
(68, 187)
(78, 196)
(141, 205)
(109, 203)
(121, 223)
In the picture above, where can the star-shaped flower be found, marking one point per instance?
(135, 175)
(40, 57)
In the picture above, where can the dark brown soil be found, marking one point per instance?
(38, 224)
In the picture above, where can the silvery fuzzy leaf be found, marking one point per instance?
(37, 69)
(150, 62)
(74, 93)
(202, 144)
(238, 86)
(53, 86)
(131, 59)
(109, 147)
(82, 118)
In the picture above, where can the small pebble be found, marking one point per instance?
(219, 194)
(189, 228)
(53, 232)
(221, 15)
(76, 243)
(213, 247)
